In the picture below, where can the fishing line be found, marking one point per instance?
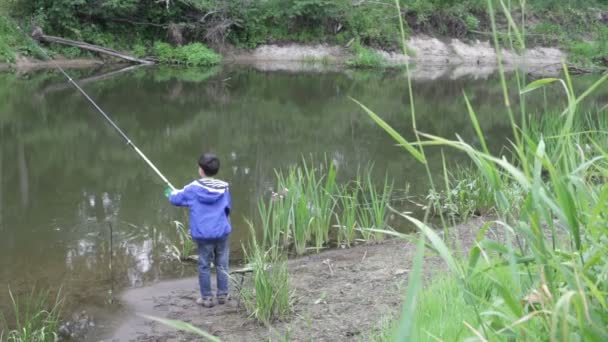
(106, 116)
(111, 299)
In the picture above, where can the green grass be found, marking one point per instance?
(377, 204)
(310, 202)
(34, 317)
(7, 48)
(364, 57)
(466, 194)
(14, 41)
(587, 129)
(346, 216)
(553, 254)
(382, 331)
(184, 246)
(183, 326)
(270, 298)
(195, 54)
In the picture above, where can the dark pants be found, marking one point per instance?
(217, 251)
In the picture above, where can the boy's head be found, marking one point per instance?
(208, 164)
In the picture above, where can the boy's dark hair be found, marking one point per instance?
(210, 163)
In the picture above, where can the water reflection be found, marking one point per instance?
(65, 176)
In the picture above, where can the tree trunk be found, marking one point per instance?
(40, 36)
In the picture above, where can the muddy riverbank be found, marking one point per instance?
(423, 50)
(338, 295)
(432, 57)
(25, 65)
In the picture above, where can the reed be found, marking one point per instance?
(346, 216)
(310, 202)
(270, 297)
(553, 259)
(35, 317)
(183, 247)
(377, 203)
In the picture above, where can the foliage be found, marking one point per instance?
(591, 52)
(556, 239)
(13, 41)
(34, 318)
(270, 298)
(309, 202)
(185, 246)
(444, 304)
(139, 50)
(183, 326)
(131, 24)
(195, 54)
(365, 57)
(467, 194)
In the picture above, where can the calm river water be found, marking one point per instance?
(66, 177)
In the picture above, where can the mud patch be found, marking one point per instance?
(340, 294)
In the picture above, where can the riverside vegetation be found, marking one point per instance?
(34, 318)
(547, 282)
(143, 28)
(311, 210)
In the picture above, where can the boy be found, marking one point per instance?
(209, 203)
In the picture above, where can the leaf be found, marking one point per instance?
(394, 134)
(476, 251)
(438, 245)
(183, 326)
(473, 117)
(406, 326)
(539, 84)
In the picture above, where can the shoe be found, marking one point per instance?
(205, 302)
(222, 299)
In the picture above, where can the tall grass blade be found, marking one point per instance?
(394, 134)
(407, 326)
(438, 245)
(183, 326)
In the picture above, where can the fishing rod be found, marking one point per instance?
(107, 117)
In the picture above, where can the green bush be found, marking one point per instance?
(195, 54)
(139, 50)
(365, 58)
(13, 41)
(7, 32)
(199, 54)
(472, 22)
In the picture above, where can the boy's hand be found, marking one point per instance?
(168, 191)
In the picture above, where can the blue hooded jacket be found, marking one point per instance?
(210, 204)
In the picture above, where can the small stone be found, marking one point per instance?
(64, 331)
(400, 271)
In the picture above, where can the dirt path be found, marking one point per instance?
(340, 295)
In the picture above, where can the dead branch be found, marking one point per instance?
(40, 36)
